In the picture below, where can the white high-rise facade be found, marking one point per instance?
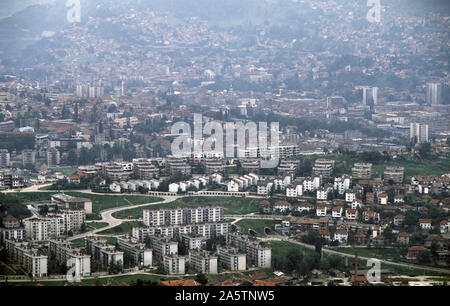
(418, 131)
(434, 92)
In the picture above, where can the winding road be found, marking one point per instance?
(113, 222)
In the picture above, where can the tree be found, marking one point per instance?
(425, 150)
(388, 235)
(424, 257)
(434, 249)
(72, 158)
(43, 210)
(201, 278)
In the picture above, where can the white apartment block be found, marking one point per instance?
(63, 251)
(350, 196)
(257, 254)
(341, 184)
(178, 216)
(139, 254)
(193, 241)
(362, 171)
(323, 167)
(44, 228)
(231, 259)
(322, 193)
(293, 191)
(208, 230)
(264, 187)
(102, 252)
(311, 184)
(163, 246)
(29, 258)
(174, 264)
(203, 262)
(419, 132)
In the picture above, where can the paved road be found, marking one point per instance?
(333, 252)
(113, 222)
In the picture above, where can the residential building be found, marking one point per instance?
(231, 259)
(31, 259)
(323, 167)
(418, 132)
(174, 264)
(65, 201)
(63, 251)
(203, 262)
(137, 252)
(362, 171)
(257, 254)
(394, 174)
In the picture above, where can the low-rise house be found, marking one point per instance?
(265, 206)
(336, 212)
(403, 238)
(304, 207)
(399, 199)
(360, 239)
(351, 214)
(350, 196)
(414, 251)
(174, 187)
(399, 219)
(382, 199)
(357, 203)
(444, 226)
(378, 240)
(376, 231)
(282, 206)
(325, 234)
(441, 242)
(371, 216)
(370, 197)
(341, 236)
(425, 224)
(321, 210)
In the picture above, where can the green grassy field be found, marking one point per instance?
(66, 170)
(231, 205)
(256, 225)
(282, 248)
(123, 228)
(96, 225)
